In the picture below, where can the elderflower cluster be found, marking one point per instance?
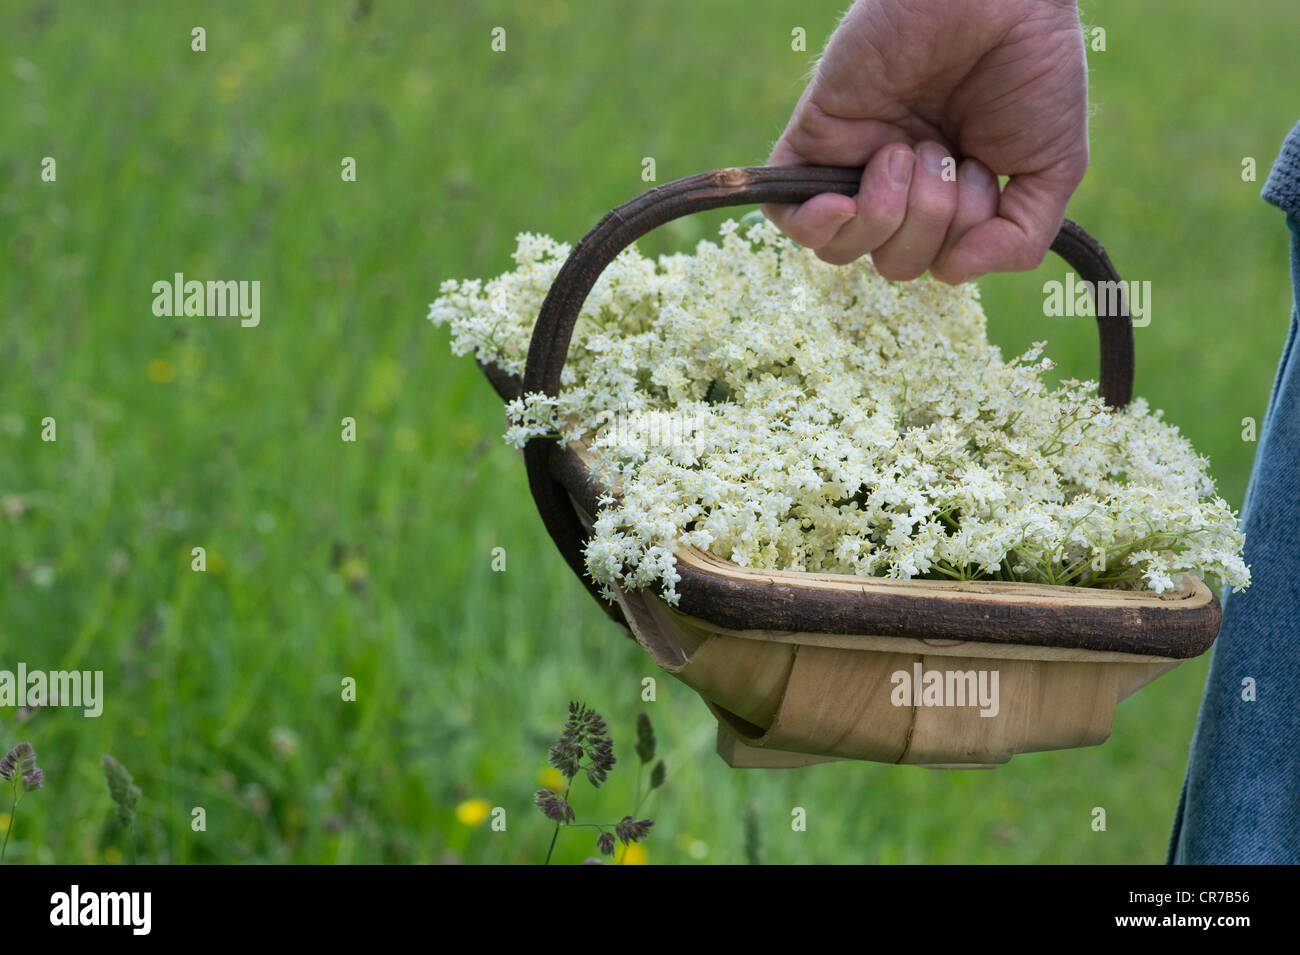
(781, 413)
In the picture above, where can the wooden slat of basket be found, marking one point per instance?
(932, 647)
(790, 704)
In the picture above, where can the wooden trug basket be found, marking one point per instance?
(800, 668)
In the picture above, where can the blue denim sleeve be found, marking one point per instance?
(1241, 795)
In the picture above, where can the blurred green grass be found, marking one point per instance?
(372, 560)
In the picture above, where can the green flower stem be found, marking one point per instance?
(13, 809)
(555, 835)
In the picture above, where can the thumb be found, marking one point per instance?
(814, 137)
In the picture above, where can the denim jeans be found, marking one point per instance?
(1241, 797)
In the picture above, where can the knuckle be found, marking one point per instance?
(934, 207)
(882, 214)
(810, 129)
(1076, 166)
(1027, 257)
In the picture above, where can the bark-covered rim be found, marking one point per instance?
(1180, 625)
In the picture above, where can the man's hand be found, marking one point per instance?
(1000, 86)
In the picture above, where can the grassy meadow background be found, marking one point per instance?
(372, 560)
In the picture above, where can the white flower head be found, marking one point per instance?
(783, 413)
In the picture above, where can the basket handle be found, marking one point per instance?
(622, 226)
